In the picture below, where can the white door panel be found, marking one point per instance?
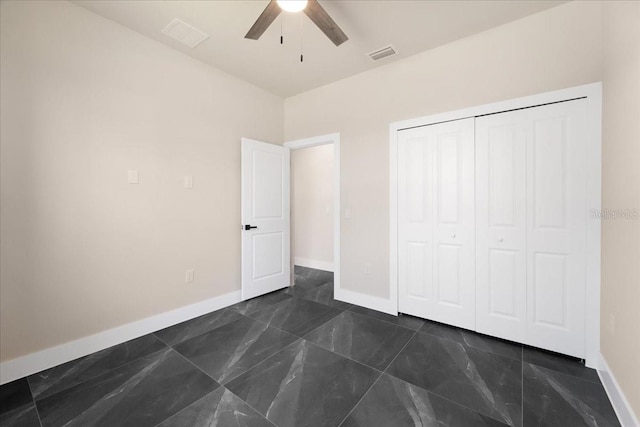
(435, 213)
(531, 222)
(418, 271)
(267, 182)
(415, 250)
(504, 299)
(501, 225)
(556, 236)
(265, 206)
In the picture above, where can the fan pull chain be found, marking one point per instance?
(301, 40)
(281, 37)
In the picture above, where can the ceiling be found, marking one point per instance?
(410, 26)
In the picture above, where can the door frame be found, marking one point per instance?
(332, 138)
(593, 94)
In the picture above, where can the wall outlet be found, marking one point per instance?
(347, 213)
(188, 181)
(188, 276)
(612, 323)
(367, 268)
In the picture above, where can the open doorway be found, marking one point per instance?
(312, 215)
(315, 215)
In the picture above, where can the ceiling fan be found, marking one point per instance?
(311, 8)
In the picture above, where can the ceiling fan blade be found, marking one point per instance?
(328, 26)
(268, 15)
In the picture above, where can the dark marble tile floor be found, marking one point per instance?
(404, 320)
(144, 392)
(62, 377)
(481, 381)
(304, 385)
(218, 408)
(322, 293)
(14, 395)
(552, 398)
(471, 339)
(309, 278)
(297, 316)
(228, 351)
(393, 402)
(297, 357)
(361, 338)
(194, 327)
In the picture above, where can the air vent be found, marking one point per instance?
(386, 51)
(185, 33)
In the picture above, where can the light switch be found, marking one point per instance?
(132, 177)
(188, 181)
(347, 213)
(188, 276)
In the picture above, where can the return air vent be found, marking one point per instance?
(386, 51)
(185, 33)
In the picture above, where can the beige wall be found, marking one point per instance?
(620, 335)
(551, 50)
(312, 201)
(83, 101)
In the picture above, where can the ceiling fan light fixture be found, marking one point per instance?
(292, 5)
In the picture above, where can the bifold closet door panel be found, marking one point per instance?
(501, 216)
(556, 221)
(436, 222)
(415, 221)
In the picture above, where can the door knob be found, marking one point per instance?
(249, 227)
(500, 239)
(453, 236)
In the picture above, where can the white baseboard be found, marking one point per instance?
(45, 359)
(367, 301)
(619, 401)
(312, 263)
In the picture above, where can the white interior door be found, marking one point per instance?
(556, 226)
(436, 274)
(501, 225)
(265, 218)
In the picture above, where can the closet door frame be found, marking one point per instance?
(593, 95)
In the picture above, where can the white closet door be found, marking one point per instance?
(501, 225)
(556, 227)
(436, 222)
(415, 222)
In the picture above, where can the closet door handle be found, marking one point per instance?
(500, 239)
(453, 236)
(249, 227)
